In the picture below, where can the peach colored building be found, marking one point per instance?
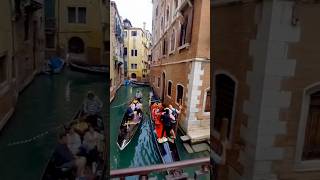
(21, 50)
(180, 67)
(116, 50)
(267, 86)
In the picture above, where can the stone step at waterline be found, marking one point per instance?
(200, 147)
(188, 148)
(185, 138)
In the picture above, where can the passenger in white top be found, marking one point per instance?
(73, 141)
(92, 139)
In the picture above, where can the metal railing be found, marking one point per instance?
(143, 172)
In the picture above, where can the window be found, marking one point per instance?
(225, 92)
(133, 33)
(169, 88)
(77, 15)
(186, 27)
(179, 98)
(82, 15)
(143, 75)
(168, 13)
(161, 23)
(71, 14)
(125, 52)
(49, 40)
(136, 52)
(125, 34)
(3, 69)
(311, 146)
(207, 101)
(132, 52)
(183, 33)
(175, 4)
(173, 40)
(134, 66)
(158, 81)
(164, 47)
(157, 11)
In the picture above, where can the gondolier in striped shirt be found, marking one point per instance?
(92, 107)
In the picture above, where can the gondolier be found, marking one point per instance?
(92, 107)
(139, 95)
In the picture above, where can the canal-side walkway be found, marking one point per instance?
(45, 104)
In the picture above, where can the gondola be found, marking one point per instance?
(167, 150)
(78, 122)
(136, 84)
(92, 69)
(128, 128)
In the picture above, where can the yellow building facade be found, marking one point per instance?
(82, 30)
(136, 48)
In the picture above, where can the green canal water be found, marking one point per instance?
(46, 103)
(141, 151)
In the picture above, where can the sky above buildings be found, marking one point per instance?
(137, 11)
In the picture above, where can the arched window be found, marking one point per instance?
(133, 75)
(168, 13)
(76, 45)
(225, 94)
(169, 88)
(158, 81)
(179, 96)
(173, 40)
(311, 146)
(207, 101)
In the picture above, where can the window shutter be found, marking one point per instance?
(189, 26)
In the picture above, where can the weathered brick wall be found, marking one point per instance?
(306, 52)
(233, 28)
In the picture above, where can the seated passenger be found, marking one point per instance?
(74, 141)
(64, 158)
(136, 117)
(139, 108)
(130, 110)
(92, 143)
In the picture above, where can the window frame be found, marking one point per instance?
(205, 101)
(75, 14)
(170, 96)
(85, 15)
(183, 91)
(299, 164)
(215, 132)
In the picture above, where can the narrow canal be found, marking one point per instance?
(48, 102)
(141, 151)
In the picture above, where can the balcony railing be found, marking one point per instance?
(143, 172)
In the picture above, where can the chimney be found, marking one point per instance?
(144, 25)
